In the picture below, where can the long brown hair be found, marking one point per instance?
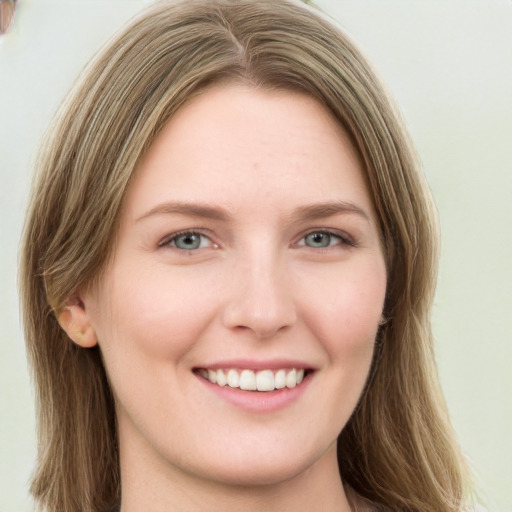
(398, 449)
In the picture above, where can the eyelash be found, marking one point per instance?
(344, 239)
(170, 240)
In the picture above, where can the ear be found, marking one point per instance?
(74, 319)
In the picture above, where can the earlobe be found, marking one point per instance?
(74, 320)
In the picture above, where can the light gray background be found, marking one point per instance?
(449, 64)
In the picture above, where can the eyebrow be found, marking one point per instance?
(302, 213)
(189, 209)
(328, 209)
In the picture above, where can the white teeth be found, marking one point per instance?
(280, 379)
(221, 378)
(291, 379)
(248, 380)
(233, 379)
(265, 380)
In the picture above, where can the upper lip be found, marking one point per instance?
(256, 365)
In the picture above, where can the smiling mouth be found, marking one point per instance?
(249, 380)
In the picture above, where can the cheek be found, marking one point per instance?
(148, 326)
(154, 315)
(345, 315)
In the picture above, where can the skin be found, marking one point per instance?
(256, 289)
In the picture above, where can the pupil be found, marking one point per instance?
(319, 239)
(188, 241)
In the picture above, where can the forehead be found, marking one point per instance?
(234, 143)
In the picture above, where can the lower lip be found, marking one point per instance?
(259, 401)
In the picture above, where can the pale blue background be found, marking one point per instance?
(449, 64)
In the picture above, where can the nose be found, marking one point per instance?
(261, 300)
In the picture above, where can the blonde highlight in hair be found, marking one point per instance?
(398, 450)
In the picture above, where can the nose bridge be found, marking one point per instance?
(262, 300)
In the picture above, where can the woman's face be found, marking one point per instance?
(248, 254)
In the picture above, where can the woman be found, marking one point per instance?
(227, 272)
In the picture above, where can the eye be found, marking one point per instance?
(323, 240)
(187, 241)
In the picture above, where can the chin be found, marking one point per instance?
(263, 475)
(257, 469)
